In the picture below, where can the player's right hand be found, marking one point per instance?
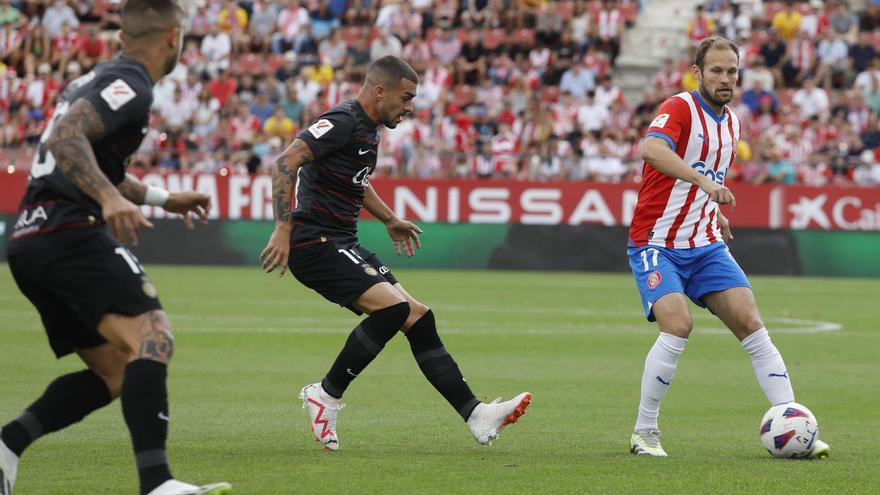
(124, 218)
(277, 251)
(718, 193)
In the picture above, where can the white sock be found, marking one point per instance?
(659, 370)
(769, 367)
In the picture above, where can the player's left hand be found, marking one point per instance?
(404, 234)
(724, 224)
(189, 202)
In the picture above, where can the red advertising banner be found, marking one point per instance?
(548, 203)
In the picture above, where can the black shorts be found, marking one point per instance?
(74, 287)
(339, 270)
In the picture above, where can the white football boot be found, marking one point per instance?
(646, 442)
(8, 469)
(487, 420)
(174, 487)
(323, 409)
(820, 451)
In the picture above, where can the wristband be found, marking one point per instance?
(156, 196)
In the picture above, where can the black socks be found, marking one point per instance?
(145, 408)
(363, 345)
(439, 367)
(66, 401)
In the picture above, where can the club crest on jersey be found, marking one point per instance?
(660, 120)
(369, 270)
(118, 93)
(320, 128)
(654, 280)
(148, 288)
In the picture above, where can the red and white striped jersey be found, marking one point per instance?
(673, 213)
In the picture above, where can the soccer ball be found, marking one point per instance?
(789, 431)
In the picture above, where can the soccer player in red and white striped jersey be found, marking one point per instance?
(677, 238)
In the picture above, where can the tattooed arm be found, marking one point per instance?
(283, 180)
(133, 189)
(70, 145)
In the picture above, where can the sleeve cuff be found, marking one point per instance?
(664, 137)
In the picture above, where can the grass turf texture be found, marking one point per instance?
(246, 343)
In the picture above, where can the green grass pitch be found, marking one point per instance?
(246, 343)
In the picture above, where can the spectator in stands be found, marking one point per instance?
(37, 49)
(472, 61)
(93, 49)
(222, 87)
(833, 58)
(205, 114)
(65, 47)
(290, 23)
(306, 46)
(549, 24)
(780, 170)
(579, 26)
(752, 97)
(279, 124)
(607, 93)
(700, 27)
(668, 80)
(262, 24)
(9, 14)
(335, 50)
(773, 51)
(358, 57)
(592, 115)
(217, 50)
(322, 21)
(869, 19)
(844, 22)
(233, 20)
(176, 112)
(446, 47)
(787, 21)
(757, 73)
(800, 60)
(262, 108)
(56, 15)
(11, 42)
(862, 54)
(577, 81)
(812, 101)
(385, 44)
(610, 28)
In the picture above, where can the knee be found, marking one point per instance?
(680, 326)
(156, 343)
(396, 315)
(417, 310)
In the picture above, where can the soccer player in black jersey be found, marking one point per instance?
(92, 294)
(330, 163)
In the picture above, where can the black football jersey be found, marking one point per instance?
(330, 189)
(121, 92)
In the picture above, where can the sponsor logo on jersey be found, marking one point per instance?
(362, 177)
(117, 94)
(369, 270)
(383, 269)
(660, 120)
(654, 280)
(320, 128)
(29, 217)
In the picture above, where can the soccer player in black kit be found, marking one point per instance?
(330, 164)
(92, 294)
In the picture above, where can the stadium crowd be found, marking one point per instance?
(509, 88)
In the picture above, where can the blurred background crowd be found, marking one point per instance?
(520, 89)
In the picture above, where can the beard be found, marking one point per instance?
(714, 98)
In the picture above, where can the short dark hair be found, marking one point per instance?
(389, 70)
(145, 19)
(714, 42)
